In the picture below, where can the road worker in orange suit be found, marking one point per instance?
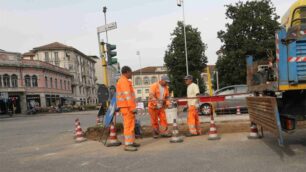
(126, 103)
(158, 101)
(193, 116)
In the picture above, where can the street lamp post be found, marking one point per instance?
(180, 3)
(140, 72)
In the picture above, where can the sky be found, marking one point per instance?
(142, 25)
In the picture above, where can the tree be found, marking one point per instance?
(251, 31)
(176, 62)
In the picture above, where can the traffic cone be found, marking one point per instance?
(175, 134)
(98, 121)
(238, 110)
(75, 127)
(113, 140)
(212, 133)
(79, 135)
(254, 132)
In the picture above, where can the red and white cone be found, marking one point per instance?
(238, 112)
(212, 133)
(113, 140)
(79, 135)
(254, 132)
(98, 121)
(175, 134)
(75, 127)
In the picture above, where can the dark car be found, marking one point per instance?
(235, 97)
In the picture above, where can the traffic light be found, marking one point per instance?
(111, 53)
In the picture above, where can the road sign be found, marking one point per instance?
(104, 28)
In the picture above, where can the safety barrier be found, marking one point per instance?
(263, 111)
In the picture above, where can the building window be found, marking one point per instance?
(27, 80)
(146, 80)
(64, 85)
(153, 79)
(51, 84)
(6, 80)
(0, 81)
(68, 85)
(147, 90)
(47, 59)
(61, 84)
(46, 82)
(14, 81)
(138, 81)
(34, 81)
(138, 91)
(55, 83)
(57, 60)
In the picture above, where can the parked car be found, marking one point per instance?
(235, 96)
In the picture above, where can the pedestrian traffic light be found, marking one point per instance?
(111, 53)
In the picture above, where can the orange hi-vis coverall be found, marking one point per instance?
(193, 116)
(158, 101)
(126, 103)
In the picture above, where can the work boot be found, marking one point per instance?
(155, 134)
(130, 148)
(191, 135)
(166, 135)
(136, 145)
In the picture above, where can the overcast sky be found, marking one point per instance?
(143, 25)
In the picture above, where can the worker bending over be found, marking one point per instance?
(158, 101)
(193, 116)
(126, 103)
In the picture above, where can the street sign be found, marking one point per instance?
(107, 27)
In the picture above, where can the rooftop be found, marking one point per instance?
(60, 46)
(151, 70)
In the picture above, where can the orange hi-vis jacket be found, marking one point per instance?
(155, 96)
(125, 94)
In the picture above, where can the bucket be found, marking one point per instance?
(171, 115)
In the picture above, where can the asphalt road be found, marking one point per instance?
(45, 143)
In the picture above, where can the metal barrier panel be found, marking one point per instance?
(263, 112)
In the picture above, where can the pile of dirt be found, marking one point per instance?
(95, 132)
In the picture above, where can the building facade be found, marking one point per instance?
(79, 65)
(28, 83)
(143, 78)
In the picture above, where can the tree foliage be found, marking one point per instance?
(175, 60)
(251, 31)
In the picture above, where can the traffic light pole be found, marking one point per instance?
(103, 57)
(104, 11)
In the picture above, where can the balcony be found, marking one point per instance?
(10, 89)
